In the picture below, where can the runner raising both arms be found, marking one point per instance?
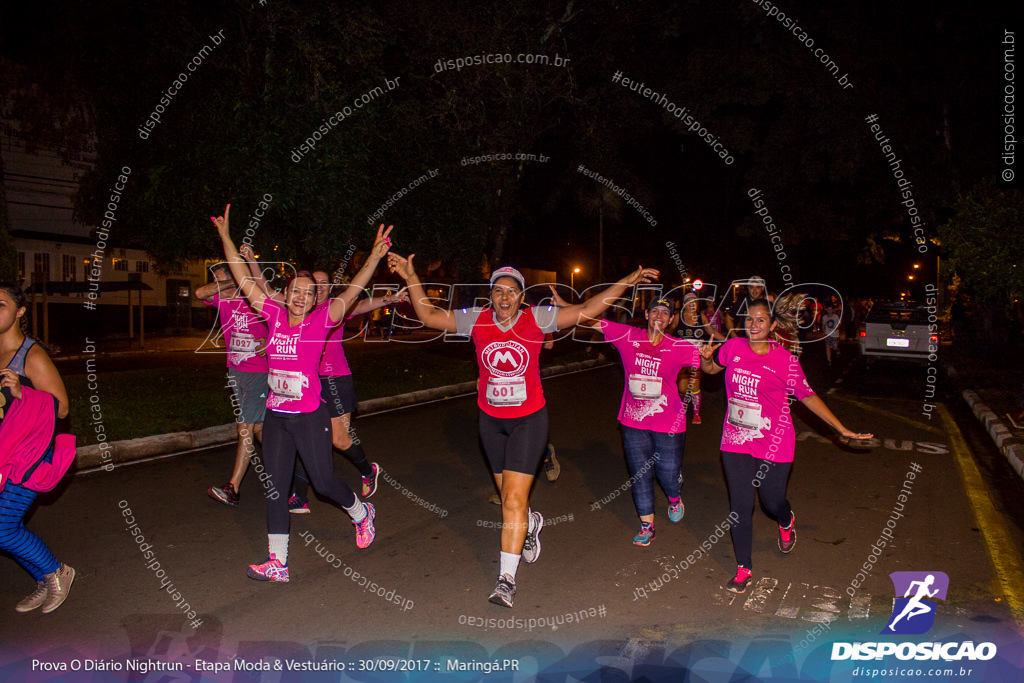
(513, 416)
(297, 419)
(245, 338)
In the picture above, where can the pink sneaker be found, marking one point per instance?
(365, 533)
(271, 570)
(787, 535)
(740, 582)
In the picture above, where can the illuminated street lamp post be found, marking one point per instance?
(572, 280)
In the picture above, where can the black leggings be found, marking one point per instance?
(741, 473)
(310, 435)
(355, 455)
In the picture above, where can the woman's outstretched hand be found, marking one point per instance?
(401, 266)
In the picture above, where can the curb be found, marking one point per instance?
(122, 452)
(1010, 446)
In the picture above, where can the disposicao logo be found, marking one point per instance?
(914, 613)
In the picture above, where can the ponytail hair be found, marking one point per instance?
(785, 312)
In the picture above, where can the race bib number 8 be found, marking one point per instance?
(287, 384)
(645, 388)
(506, 391)
(744, 414)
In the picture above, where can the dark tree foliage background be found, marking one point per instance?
(72, 69)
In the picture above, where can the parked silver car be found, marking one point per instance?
(897, 330)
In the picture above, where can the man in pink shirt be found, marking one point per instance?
(245, 338)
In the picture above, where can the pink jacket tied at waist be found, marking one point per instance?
(25, 434)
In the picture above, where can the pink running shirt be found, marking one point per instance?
(757, 418)
(293, 354)
(334, 363)
(650, 397)
(242, 328)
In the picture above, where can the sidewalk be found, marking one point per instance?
(991, 387)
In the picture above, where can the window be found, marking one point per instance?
(41, 265)
(142, 266)
(69, 268)
(121, 264)
(21, 266)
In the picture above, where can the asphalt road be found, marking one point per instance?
(592, 600)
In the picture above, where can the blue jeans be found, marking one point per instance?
(648, 454)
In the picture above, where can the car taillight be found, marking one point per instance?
(863, 330)
(935, 337)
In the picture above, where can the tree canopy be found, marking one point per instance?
(402, 109)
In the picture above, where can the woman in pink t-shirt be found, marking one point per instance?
(652, 415)
(296, 419)
(758, 439)
(513, 414)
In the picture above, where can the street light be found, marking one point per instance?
(572, 280)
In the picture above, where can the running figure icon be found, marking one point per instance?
(914, 606)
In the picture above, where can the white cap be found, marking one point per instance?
(509, 271)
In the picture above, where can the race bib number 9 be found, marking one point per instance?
(645, 388)
(287, 384)
(744, 414)
(510, 391)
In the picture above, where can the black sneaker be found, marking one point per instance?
(297, 506)
(224, 494)
(504, 592)
(370, 482)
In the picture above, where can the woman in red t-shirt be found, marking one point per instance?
(513, 416)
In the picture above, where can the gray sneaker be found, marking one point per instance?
(58, 584)
(504, 592)
(33, 601)
(551, 467)
(531, 544)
